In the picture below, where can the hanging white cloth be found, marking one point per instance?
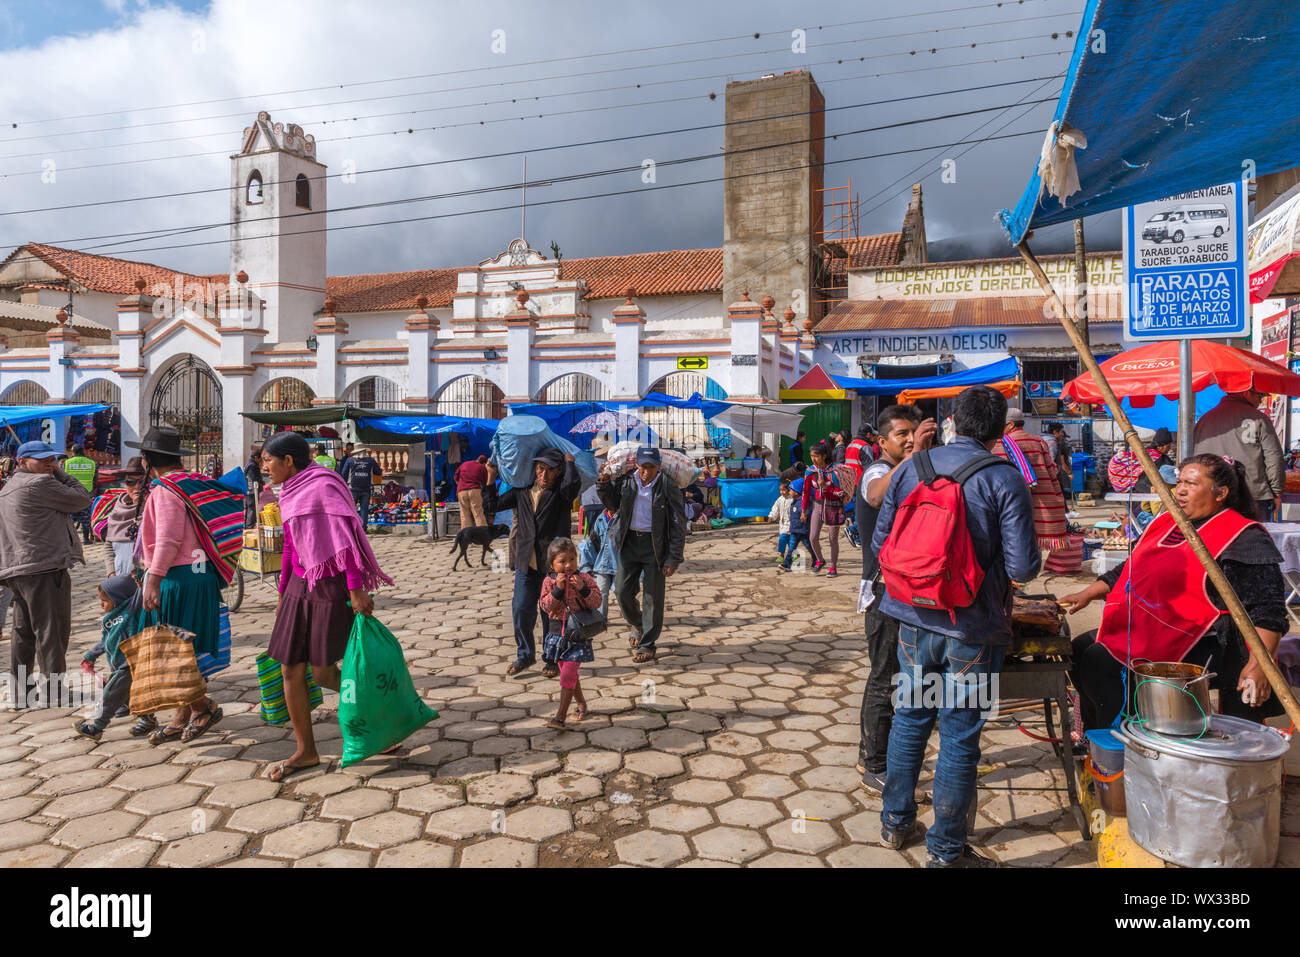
(1056, 166)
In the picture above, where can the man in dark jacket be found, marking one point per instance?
(543, 512)
(359, 474)
(649, 535)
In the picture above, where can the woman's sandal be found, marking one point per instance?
(170, 732)
(579, 712)
(288, 770)
(520, 665)
(550, 671)
(641, 657)
(556, 725)
(194, 729)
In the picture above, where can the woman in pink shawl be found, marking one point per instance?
(326, 576)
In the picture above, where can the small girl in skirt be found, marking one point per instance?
(567, 590)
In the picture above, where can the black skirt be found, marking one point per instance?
(312, 626)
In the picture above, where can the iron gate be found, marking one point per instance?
(188, 398)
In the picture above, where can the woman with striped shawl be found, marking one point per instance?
(1030, 454)
(190, 532)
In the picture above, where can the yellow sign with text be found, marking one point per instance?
(693, 363)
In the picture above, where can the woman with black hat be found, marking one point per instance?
(116, 516)
(181, 581)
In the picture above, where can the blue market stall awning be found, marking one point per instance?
(1171, 96)
(428, 424)
(14, 414)
(993, 372)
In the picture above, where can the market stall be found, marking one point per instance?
(1117, 140)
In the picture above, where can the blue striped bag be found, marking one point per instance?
(270, 681)
(210, 665)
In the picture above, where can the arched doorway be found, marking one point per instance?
(471, 397)
(188, 398)
(99, 434)
(573, 387)
(687, 428)
(374, 392)
(280, 395)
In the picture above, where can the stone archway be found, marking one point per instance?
(471, 397)
(573, 387)
(285, 393)
(374, 392)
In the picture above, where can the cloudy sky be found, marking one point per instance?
(108, 100)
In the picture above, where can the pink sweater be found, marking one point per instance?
(292, 566)
(167, 536)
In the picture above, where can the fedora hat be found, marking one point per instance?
(163, 440)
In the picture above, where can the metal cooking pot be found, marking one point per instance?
(1173, 697)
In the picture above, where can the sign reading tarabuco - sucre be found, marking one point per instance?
(1185, 266)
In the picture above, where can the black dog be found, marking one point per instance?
(476, 535)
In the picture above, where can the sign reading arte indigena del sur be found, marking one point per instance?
(1185, 266)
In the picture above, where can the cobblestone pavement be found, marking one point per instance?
(737, 747)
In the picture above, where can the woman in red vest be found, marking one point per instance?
(1161, 606)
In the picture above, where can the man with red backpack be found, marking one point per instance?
(949, 551)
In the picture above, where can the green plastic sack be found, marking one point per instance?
(378, 705)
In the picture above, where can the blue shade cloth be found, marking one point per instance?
(479, 430)
(748, 498)
(994, 372)
(1182, 97)
(14, 414)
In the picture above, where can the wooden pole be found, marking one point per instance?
(1261, 654)
(1081, 283)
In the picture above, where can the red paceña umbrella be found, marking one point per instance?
(1141, 374)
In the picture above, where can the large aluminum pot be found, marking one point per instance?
(1211, 802)
(1173, 697)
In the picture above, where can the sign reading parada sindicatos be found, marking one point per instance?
(1185, 266)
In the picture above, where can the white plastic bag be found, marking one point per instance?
(621, 458)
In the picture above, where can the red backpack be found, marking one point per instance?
(928, 560)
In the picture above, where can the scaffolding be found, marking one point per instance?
(840, 223)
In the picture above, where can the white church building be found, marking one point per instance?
(275, 331)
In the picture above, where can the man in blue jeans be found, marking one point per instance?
(948, 669)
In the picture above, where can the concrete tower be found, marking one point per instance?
(277, 208)
(771, 207)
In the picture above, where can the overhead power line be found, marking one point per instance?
(540, 62)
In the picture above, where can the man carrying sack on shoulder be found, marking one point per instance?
(649, 536)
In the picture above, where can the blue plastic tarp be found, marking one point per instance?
(429, 425)
(993, 372)
(520, 437)
(748, 498)
(14, 414)
(1165, 411)
(1172, 96)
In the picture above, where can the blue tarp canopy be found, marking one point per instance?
(430, 425)
(561, 417)
(1172, 96)
(14, 414)
(993, 372)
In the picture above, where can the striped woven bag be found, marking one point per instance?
(270, 681)
(164, 673)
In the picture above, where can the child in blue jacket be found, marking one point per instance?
(596, 555)
(798, 528)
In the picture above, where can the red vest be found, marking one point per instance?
(1161, 597)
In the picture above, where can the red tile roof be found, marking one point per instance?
(665, 273)
(104, 273)
(391, 290)
(885, 249)
(875, 314)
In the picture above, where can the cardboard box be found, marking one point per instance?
(260, 562)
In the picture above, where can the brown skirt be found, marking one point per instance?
(312, 626)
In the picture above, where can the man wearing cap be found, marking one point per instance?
(38, 545)
(543, 513)
(649, 537)
(359, 474)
